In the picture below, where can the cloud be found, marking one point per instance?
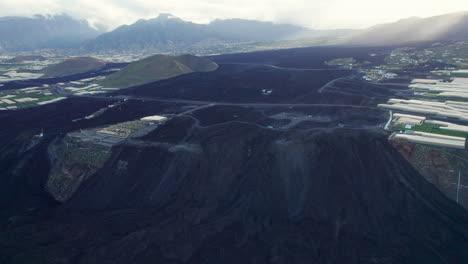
(311, 13)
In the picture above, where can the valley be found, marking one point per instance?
(256, 132)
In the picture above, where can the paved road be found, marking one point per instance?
(389, 120)
(211, 103)
(331, 83)
(283, 68)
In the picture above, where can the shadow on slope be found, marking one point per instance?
(238, 193)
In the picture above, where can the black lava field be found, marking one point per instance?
(273, 158)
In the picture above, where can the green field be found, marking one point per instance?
(461, 75)
(426, 98)
(341, 61)
(440, 131)
(435, 129)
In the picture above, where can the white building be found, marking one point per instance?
(155, 118)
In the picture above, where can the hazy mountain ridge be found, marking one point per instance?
(252, 30)
(268, 31)
(169, 34)
(448, 27)
(38, 32)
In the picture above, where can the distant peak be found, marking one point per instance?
(413, 18)
(167, 16)
(162, 18)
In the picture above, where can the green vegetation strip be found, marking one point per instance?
(461, 75)
(427, 99)
(433, 129)
(429, 125)
(438, 99)
(436, 130)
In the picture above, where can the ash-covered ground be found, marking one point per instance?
(273, 158)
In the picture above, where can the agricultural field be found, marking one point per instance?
(23, 70)
(433, 129)
(30, 97)
(12, 99)
(85, 87)
(346, 63)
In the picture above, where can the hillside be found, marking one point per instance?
(73, 66)
(450, 27)
(155, 68)
(210, 185)
(19, 59)
(40, 32)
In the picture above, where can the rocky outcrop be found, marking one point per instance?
(73, 161)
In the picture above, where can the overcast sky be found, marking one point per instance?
(309, 13)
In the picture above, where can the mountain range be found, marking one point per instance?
(169, 34)
(449, 27)
(163, 33)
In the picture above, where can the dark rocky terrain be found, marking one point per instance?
(238, 174)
